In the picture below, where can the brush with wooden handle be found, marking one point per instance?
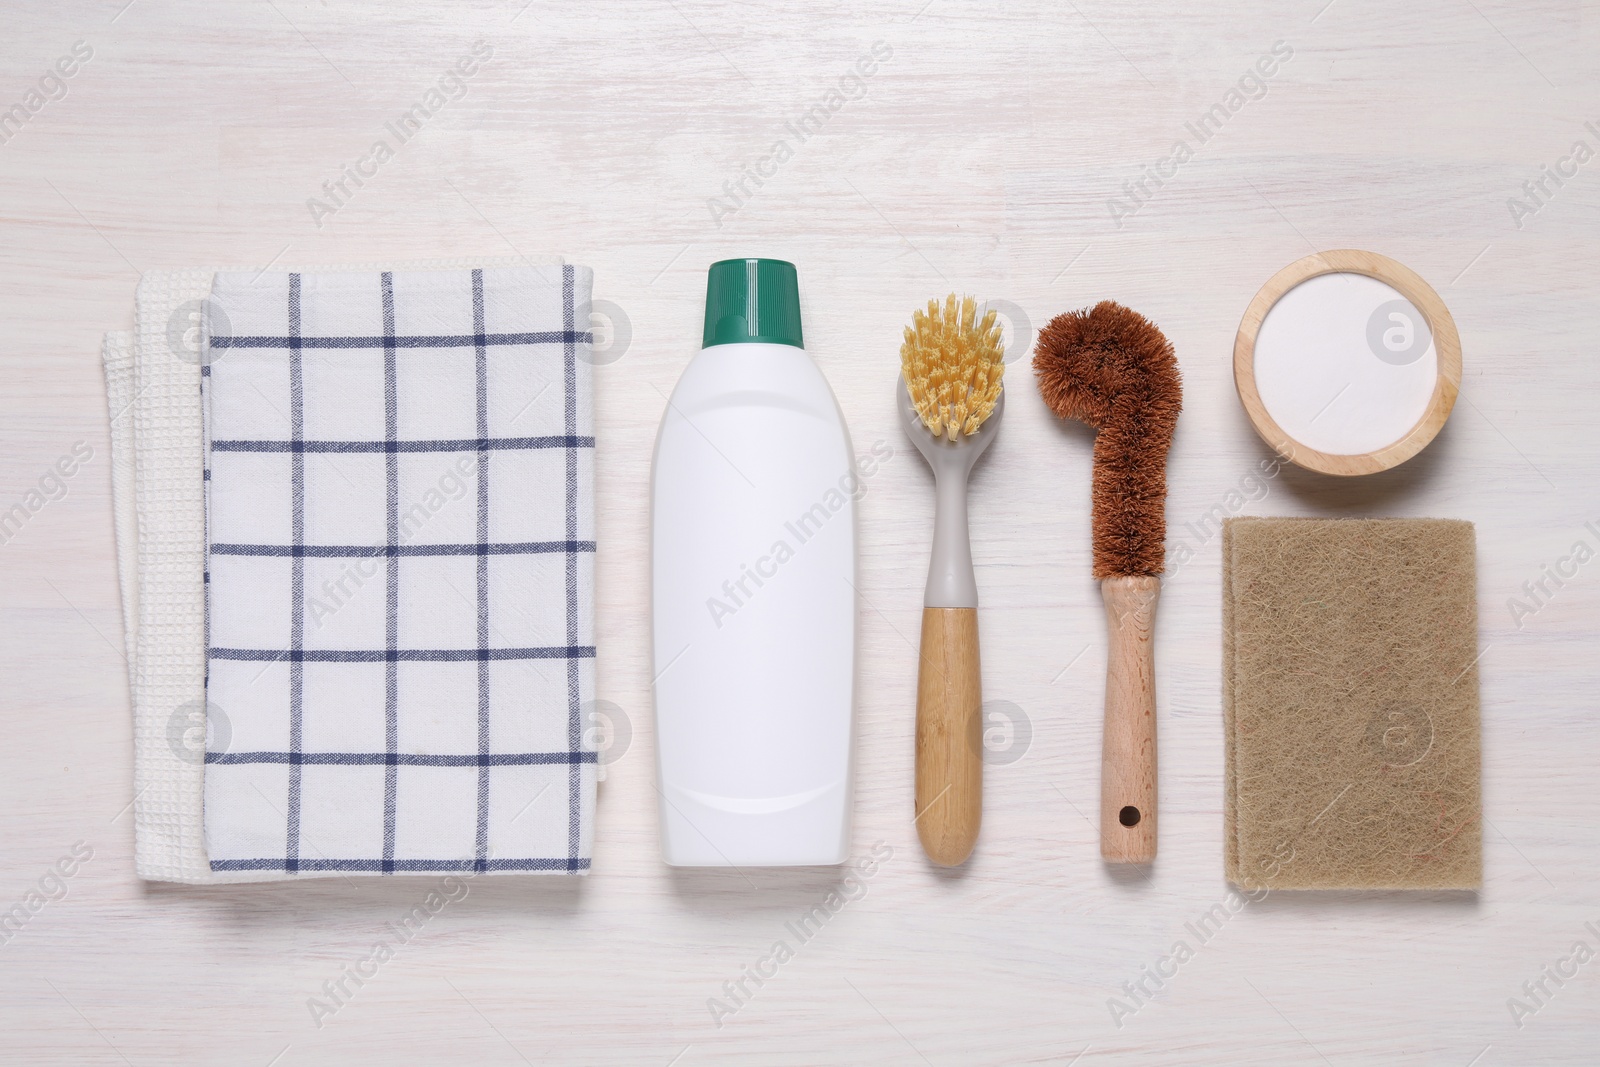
(950, 402)
(1113, 369)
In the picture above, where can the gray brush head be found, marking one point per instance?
(950, 580)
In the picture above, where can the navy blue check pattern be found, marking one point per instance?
(400, 572)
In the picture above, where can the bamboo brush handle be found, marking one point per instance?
(949, 799)
(1128, 752)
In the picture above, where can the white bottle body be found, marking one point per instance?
(753, 575)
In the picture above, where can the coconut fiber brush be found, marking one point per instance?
(1111, 368)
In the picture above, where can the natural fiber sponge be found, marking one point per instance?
(1350, 703)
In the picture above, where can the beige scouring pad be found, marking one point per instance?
(1350, 704)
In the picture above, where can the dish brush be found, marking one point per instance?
(950, 402)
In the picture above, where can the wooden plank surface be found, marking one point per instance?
(992, 150)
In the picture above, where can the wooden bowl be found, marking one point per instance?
(1446, 343)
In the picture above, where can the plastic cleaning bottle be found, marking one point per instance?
(753, 557)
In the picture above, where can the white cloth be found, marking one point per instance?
(157, 407)
(153, 396)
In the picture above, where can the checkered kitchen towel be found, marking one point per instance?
(400, 509)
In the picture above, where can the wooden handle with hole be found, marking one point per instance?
(1128, 752)
(949, 797)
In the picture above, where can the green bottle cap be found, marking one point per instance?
(752, 300)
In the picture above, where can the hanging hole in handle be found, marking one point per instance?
(1128, 816)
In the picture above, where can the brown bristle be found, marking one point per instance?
(1113, 369)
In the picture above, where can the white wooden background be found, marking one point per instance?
(980, 158)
